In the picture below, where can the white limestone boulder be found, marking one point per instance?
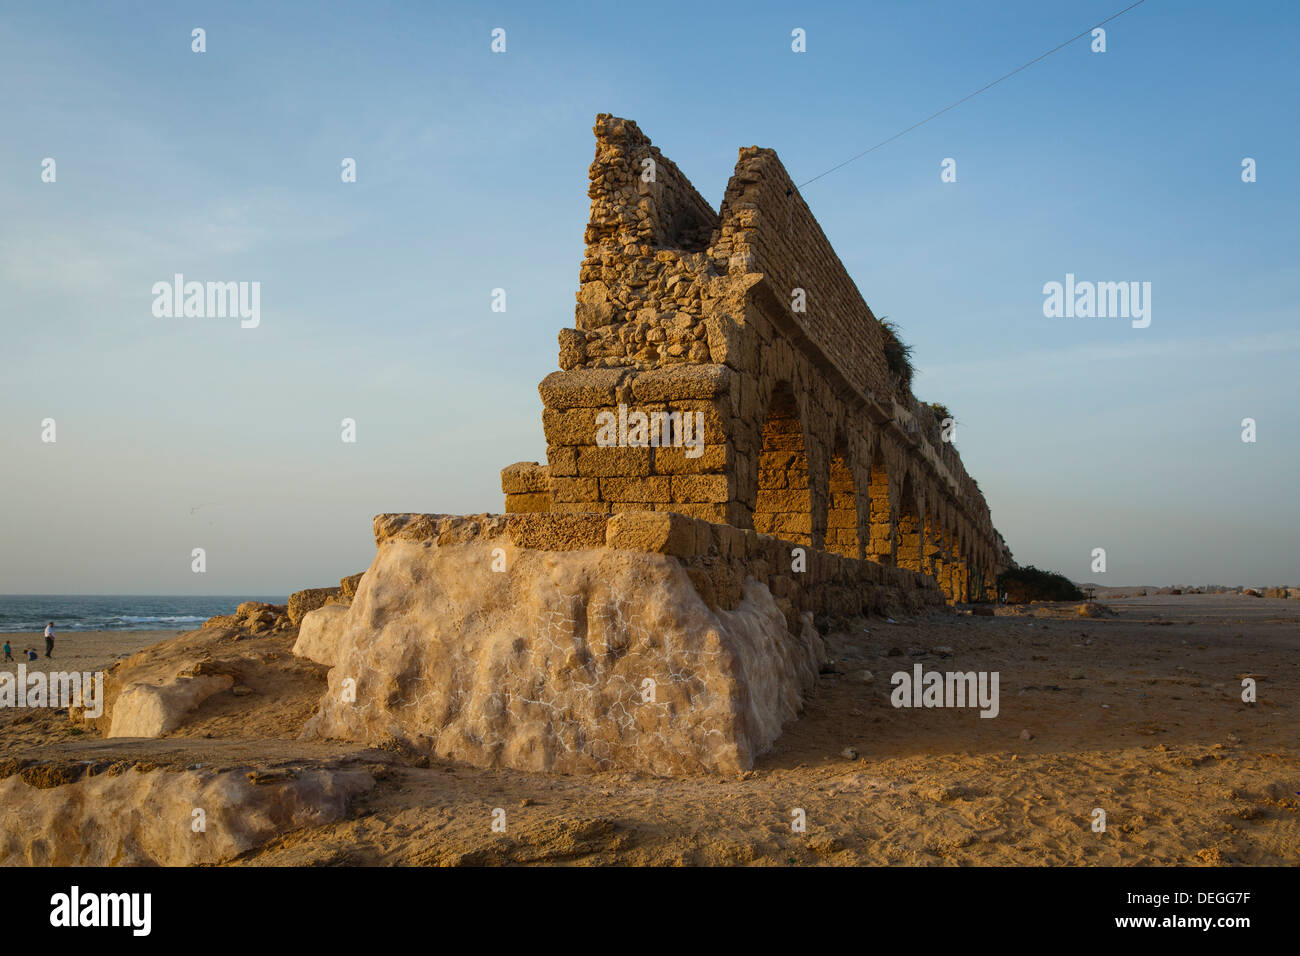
(565, 661)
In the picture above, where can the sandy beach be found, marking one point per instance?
(1138, 713)
(80, 650)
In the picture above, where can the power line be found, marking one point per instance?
(989, 86)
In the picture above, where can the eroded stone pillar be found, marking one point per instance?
(947, 561)
(910, 541)
(784, 504)
(842, 514)
(930, 553)
(961, 579)
(882, 546)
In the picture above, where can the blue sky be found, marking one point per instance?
(472, 174)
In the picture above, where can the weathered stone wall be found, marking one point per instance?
(586, 477)
(767, 229)
(807, 431)
(641, 297)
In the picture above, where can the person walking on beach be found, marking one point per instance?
(49, 638)
(9, 653)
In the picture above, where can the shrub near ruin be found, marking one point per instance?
(1022, 585)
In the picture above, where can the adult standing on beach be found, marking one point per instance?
(49, 638)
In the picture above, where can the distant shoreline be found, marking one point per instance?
(1123, 590)
(79, 613)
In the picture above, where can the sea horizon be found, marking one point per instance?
(29, 613)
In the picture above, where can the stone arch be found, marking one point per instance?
(783, 506)
(819, 441)
(911, 526)
(842, 535)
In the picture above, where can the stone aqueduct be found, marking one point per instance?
(811, 431)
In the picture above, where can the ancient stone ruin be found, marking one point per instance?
(745, 320)
(736, 467)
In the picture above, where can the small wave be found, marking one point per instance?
(106, 622)
(164, 619)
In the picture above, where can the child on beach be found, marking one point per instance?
(9, 654)
(31, 654)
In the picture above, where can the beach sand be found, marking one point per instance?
(1138, 713)
(80, 650)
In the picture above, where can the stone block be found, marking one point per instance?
(524, 477)
(570, 426)
(702, 488)
(675, 461)
(614, 462)
(557, 532)
(574, 489)
(658, 532)
(528, 503)
(676, 383)
(562, 461)
(651, 489)
(582, 388)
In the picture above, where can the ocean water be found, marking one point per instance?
(29, 613)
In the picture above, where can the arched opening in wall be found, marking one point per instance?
(784, 504)
(842, 510)
(880, 543)
(911, 539)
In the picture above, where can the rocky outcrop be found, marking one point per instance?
(318, 635)
(151, 710)
(165, 818)
(348, 586)
(301, 602)
(259, 618)
(574, 642)
(214, 681)
(256, 617)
